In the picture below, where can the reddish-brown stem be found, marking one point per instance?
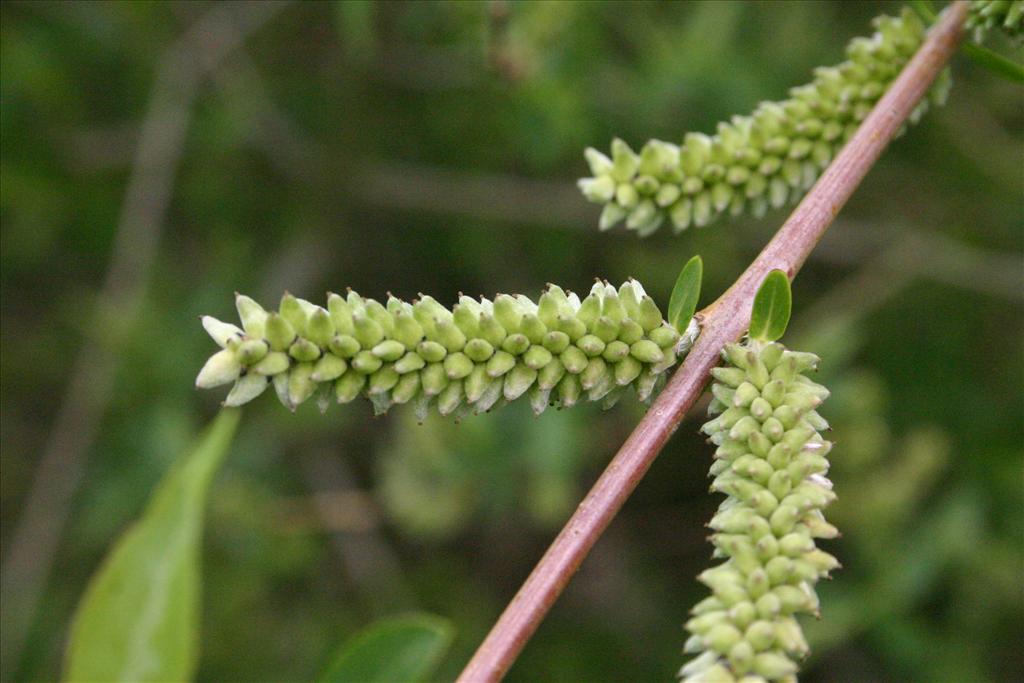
(723, 321)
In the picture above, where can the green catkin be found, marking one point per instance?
(472, 358)
(1006, 15)
(771, 464)
(758, 161)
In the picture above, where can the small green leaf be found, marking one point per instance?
(398, 650)
(772, 306)
(139, 617)
(995, 62)
(683, 303)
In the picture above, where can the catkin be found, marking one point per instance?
(771, 464)
(469, 359)
(1006, 15)
(759, 161)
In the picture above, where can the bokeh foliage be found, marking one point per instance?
(433, 147)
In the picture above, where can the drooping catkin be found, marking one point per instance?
(477, 355)
(771, 464)
(759, 161)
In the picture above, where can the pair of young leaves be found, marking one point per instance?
(769, 315)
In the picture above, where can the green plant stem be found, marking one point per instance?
(723, 322)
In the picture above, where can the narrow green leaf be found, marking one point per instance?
(772, 305)
(685, 294)
(399, 650)
(995, 62)
(139, 617)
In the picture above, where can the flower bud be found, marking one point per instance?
(366, 363)
(320, 328)
(408, 331)
(252, 351)
(348, 386)
(500, 363)
(449, 335)
(222, 367)
(304, 350)
(300, 383)
(703, 623)
(434, 379)
(646, 384)
(574, 360)
(616, 351)
(478, 350)
(627, 370)
(220, 332)
(450, 398)
(646, 351)
(344, 346)
(252, 315)
(630, 332)
(761, 635)
(722, 637)
(508, 312)
(534, 329)
(293, 312)
(476, 383)
(515, 344)
(518, 380)
(389, 350)
(410, 362)
(273, 363)
(367, 331)
(431, 351)
(280, 332)
(557, 341)
(536, 357)
(457, 365)
(549, 376)
(246, 389)
(569, 390)
(591, 345)
(328, 368)
(490, 396)
(383, 380)
(341, 314)
(606, 329)
(491, 330)
(664, 336)
(732, 377)
(406, 389)
(772, 665)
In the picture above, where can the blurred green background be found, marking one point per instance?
(157, 156)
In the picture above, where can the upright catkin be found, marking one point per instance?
(471, 358)
(771, 464)
(759, 161)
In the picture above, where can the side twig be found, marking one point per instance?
(723, 321)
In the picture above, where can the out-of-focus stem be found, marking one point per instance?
(33, 545)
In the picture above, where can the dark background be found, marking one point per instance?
(157, 157)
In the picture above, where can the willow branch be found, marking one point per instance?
(723, 321)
